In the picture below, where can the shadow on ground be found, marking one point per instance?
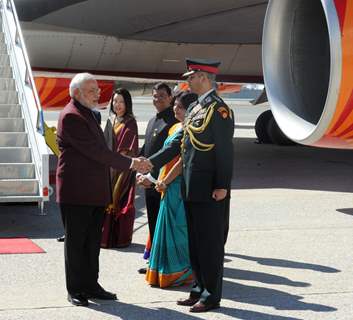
(290, 167)
(128, 311)
(24, 220)
(269, 297)
(280, 300)
(262, 277)
(348, 211)
(285, 263)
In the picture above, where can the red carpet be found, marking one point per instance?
(18, 245)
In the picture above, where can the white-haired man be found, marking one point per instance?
(83, 188)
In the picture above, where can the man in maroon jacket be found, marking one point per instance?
(83, 188)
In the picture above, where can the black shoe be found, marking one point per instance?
(61, 239)
(204, 307)
(187, 302)
(77, 300)
(101, 294)
(142, 270)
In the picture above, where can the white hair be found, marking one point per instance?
(78, 80)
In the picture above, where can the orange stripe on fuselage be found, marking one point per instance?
(348, 131)
(49, 88)
(341, 6)
(343, 116)
(39, 82)
(54, 92)
(61, 97)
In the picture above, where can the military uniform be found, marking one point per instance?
(207, 154)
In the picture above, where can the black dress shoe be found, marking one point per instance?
(187, 302)
(142, 270)
(204, 307)
(61, 239)
(77, 300)
(101, 294)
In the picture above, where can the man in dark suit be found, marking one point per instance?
(98, 117)
(83, 188)
(207, 156)
(156, 133)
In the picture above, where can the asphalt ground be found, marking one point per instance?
(288, 256)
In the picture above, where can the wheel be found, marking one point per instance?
(276, 135)
(261, 125)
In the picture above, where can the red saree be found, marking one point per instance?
(120, 214)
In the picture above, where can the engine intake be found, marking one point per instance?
(302, 63)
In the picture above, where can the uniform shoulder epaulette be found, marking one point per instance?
(217, 98)
(207, 100)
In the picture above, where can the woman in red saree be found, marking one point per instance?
(121, 136)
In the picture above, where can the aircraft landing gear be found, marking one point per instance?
(268, 131)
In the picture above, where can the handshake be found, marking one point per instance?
(141, 165)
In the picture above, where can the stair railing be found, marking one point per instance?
(27, 94)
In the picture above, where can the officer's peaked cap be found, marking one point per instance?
(194, 65)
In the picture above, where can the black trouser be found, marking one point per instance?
(226, 208)
(206, 229)
(153, 200)
(83, 232)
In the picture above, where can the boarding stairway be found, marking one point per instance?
(24, 156)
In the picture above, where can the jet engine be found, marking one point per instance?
(307, 57)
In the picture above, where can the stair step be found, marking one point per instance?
(15, 155)
(12, 125)
(18, 199)
(7, 84)
(4, 59)
(8, 97)
(10, 110)
(6, 72)
(9, 187)
(17, 171)
(13, 139)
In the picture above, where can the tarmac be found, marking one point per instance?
(288, 256)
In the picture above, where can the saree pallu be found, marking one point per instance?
(120, 214)
(119, 219)
(169, 263)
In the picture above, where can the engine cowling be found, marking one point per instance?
(308, 70)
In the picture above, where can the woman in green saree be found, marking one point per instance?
(169, 263)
